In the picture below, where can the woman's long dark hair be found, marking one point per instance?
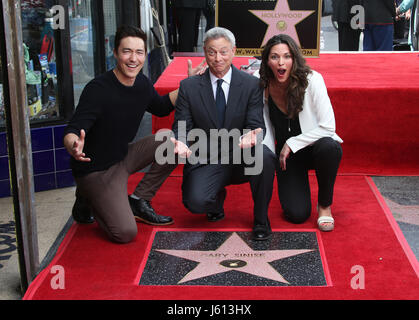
(298, 75)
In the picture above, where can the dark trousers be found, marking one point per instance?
(400, 29)
(203, 187)
(378, 37)
(188, 27)
(106, 191)
(348, 37)
(293, 185)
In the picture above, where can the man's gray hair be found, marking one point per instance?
(219, 32)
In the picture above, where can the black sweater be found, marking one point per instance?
(342, 10)
(111, 113)
(379, 11)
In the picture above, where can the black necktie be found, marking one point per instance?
(220, 102)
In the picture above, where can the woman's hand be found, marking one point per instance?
(283, 156)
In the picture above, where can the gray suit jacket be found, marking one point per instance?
(196, 105)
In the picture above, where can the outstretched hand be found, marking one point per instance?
(181, 149)
(75, 145)
(198, 70)
(249, 139)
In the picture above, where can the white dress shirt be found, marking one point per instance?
(225, 85)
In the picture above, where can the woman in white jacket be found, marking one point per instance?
(303, 123)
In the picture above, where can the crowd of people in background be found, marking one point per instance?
(386, 23)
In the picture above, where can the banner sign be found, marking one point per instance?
(254, 22)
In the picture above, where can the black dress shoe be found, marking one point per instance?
(144, 212)
(261, 232)
(212, 217)
(81, 211)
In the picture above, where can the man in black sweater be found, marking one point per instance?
(98, 139)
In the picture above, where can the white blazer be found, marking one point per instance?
(317, 119)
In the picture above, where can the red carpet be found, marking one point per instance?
(375, 97)
(364, 236)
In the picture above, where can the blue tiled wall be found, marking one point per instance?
(51, 162)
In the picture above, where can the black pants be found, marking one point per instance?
(348, 37)
(293, 185)
(203, 187)
(188, 27)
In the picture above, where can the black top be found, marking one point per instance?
(189, 3)
(342, 9)
(285, 127)
(110, 113)
(379, 11)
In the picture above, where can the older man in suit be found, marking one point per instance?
(224, 98)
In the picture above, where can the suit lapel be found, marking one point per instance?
(207, 97)
(233, 96)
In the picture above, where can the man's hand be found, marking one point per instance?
(75, 145)
(181, 149)
(249, 139)
(283, 156)
(199, 70)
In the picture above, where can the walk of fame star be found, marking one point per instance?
(225, 259)
(281, 20)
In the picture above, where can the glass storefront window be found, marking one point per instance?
(81, 35)
(110, 12)
(2, 115)
(82, 40)
(39, 58)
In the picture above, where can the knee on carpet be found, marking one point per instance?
(297, 216)
(197, 204)
(328, 147)
(124, 235)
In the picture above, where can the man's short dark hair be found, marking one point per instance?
(129, 31)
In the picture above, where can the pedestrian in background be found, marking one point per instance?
(348, 36)
(188, 13)
(379, 25)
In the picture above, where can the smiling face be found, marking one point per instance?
(280, 61)
(130, 57)
(219, 55)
